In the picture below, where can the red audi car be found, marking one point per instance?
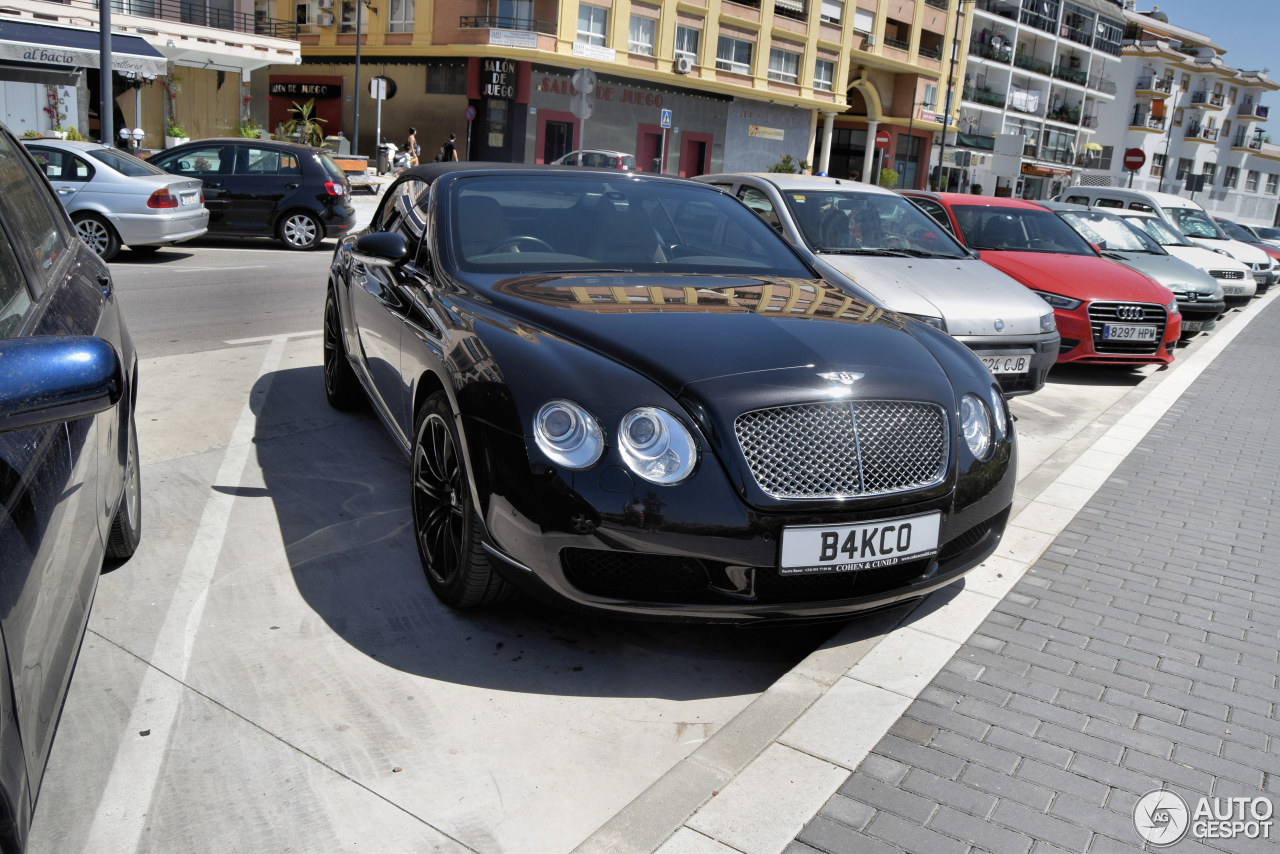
(1106, 312)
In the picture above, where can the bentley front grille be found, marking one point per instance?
(844, 449)
(1103, 314)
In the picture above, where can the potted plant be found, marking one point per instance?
(73, 135)
(174, 134)
(31, 134)
(249, 129)
(305, 127)
(975, 189)
(888, 178)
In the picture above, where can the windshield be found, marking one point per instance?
(1158, 230)
(1194, 222)
(123, 162)
(1235, 231)
(851, 222)
(1018, 230)
(1107, 231)
(529, 224)
(1267, 233)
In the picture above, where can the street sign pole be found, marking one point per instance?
(377, 87)
(665, 120)
(469, 114)
(582, 104)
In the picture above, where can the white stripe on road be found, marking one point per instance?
(1043, 410)
(124, 808)
(262, 339)
(168, 269)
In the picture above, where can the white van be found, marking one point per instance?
(1183, 214)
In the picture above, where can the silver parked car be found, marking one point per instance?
(1200, 297)
(598, 158)
(911, 264)
(115, 198)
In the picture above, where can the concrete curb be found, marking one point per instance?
(753, 784)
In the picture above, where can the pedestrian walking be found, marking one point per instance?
(449, 151)
(412, 146)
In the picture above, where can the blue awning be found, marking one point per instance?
(67, 48)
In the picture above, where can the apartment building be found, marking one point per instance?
(739, 83)
(1199, 123)
(175, 63)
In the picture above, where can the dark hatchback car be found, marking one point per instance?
(267, 188)
(628, 393)
(69, 478)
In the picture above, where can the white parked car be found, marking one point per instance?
(1238, 283)
(911, 264)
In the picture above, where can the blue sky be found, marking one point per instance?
(1247, 29)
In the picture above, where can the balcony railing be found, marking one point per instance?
(897, 43)
(1149, 122)
(1107, 46)
(999, 7)
(984, 96)
(498, 22)
(187, 12)
(1101, 84)
(1057, 155)
(1078, 36)
(1030, 63)
(1040, 22)
(1070, 115)
(1206, 99)
(937, 4)
(1245, 140)
(1071, 75)
(1089, 122)
(1195, 131)
(1151, 84)
(986, 51)
(931, 52)
(1252, 110)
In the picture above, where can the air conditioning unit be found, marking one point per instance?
(325, 19)
(869, 40)
(682, 65)
(324, 5)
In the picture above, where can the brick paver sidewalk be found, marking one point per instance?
(1140, 652)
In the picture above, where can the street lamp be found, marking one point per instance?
(135, 80)
(132, 138)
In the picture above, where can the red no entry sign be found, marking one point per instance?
(1134, 158)
(882, 139)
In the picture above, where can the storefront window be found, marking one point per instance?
(497, 115)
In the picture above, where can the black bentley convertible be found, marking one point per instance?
(626, 392)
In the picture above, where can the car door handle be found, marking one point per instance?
(212, 185)
(292, 186)
(65, 190)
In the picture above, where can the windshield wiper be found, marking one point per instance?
(585, 270)
(925, 253)
(891, 253)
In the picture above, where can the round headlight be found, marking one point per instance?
(656, 445)
(568, 434)
(998, 412)
(975, 423)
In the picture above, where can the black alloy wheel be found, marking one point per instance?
(445, 523)
(341, 387)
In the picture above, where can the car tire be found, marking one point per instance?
(126, 527)
(341, 387)
(300, 230)
(446, 524)
(98, 234)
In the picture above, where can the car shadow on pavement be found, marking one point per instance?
(1099, 375)
(340, 491)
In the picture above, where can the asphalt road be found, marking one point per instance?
(270, 671)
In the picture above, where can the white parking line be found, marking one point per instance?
(262, 339)
(1043, 410)
(126, 801)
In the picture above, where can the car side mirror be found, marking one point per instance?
(1098, 247)
(47, 380)
(381, 249)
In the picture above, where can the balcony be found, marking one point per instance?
(1099, 83)
(1067, 115)
(1199, 133)
(1247, 141)
(1030, 63)
(1003, 8)
(1078, 36)
(1206, 101)
(1250, 110)
(1151, 124)
(1058, 155)
(931, 52)
(1040, 22)
(986, 51)
(1152, 86)
(983, 96)
(1071, 75)
(937, 4)
(498, 22)
(188, 12)
(1089, 122)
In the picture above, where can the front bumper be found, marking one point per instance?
(1042, 349)
(698, 552)
(1082, 341)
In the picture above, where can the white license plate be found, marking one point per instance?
(1006, 364)
(188, 198)
(1128, 332)
(1192, 325)
(817, 549)
(1233, 290)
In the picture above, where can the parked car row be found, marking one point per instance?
(225, 187)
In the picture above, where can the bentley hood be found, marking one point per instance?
(970, 296)
(681, 330)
